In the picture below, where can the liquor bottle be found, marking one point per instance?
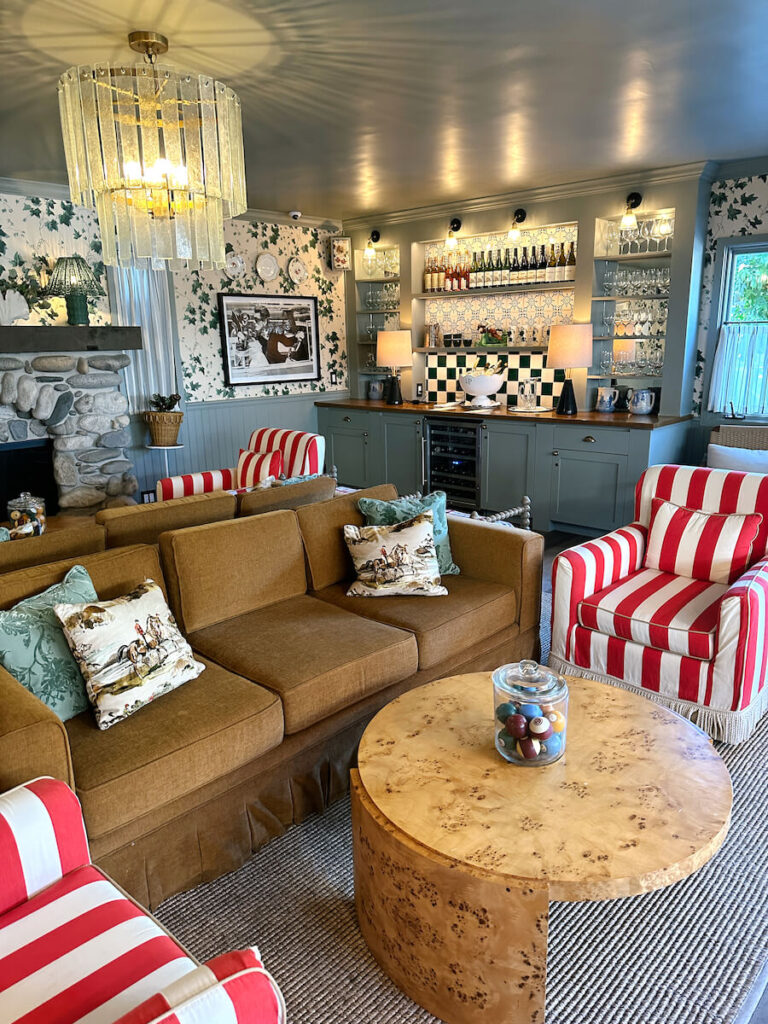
(497, 270)
(428, 276)
(570, 266)
(505, 270)
(514, 270)
(440, 285)
(449, 274)
(481, 271)
(473, 272)
(465, 274)
(551, 264)
(524, 268)
(541, 269)
(489, 269)
(561, 264)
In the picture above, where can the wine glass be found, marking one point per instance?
(646, 232)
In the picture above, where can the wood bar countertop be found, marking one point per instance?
(594, 419)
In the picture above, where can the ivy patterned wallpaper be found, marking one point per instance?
(737, 206)
(198, 315)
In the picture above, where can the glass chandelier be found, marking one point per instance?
(158, 153)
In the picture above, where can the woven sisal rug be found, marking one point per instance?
(688, 954)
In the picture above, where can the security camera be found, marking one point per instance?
(294, 214)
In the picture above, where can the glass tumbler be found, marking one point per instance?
(530, 713)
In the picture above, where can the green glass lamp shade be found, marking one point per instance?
(73, 278)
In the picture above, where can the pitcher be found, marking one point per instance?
(606, 399)
(640, 401)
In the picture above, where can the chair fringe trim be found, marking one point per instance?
(727, 726)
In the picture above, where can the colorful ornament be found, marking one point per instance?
(557, 718)
(528, 748)
(540, 728)
(503, 711)
(517, 726)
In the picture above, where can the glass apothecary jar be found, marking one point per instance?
(26, 515)
(531, 713)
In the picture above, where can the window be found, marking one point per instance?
(739, 385)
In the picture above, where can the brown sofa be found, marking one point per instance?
(79, 539)
(188, 787)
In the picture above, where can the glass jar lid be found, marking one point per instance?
(26, 500)
(529, 677)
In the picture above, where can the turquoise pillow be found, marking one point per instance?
(34, 650)
(5, 534)
(296, 479)
(387, 513)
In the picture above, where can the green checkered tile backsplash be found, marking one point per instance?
(443, 372)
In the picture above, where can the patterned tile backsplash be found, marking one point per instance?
(443, 372)
(508, 311)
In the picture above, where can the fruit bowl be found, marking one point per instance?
(481, 386)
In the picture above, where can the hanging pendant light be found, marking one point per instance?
(158, 153)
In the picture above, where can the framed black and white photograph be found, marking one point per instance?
(269, 339)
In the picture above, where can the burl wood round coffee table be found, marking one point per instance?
(458, 853)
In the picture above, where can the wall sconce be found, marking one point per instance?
(451, 241)
(629, 220)
(370, 252)
(514, 232)
(73, 278)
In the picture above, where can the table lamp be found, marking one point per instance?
(393, 348)
(73, 278)
(570, 346)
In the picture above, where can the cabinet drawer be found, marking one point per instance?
(614, 440)
(351, 419)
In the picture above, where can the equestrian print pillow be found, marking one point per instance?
(398, 560)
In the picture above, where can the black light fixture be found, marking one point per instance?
(514, 232)
(629, 220)
(370, 252)
(453, 227)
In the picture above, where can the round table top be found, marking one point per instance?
(639, 800)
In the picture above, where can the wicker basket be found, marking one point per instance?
(163, 427)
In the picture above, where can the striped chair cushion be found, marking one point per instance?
(80, 951)
(42, 837)
(233, 989)
(700, 545)
(300, 449)
(253, 467)
(195, 483)
(659, 610)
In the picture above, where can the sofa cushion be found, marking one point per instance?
(472, 611)
(318, 658)
(657, 609)
(81, 950)
(219, 571)
(143, 524)
(255, 469)
(280, 495)
(322, 530)
(56, 544)
(196, 734)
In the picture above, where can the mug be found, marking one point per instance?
(606, 399)
(640, 401)
(375, 390)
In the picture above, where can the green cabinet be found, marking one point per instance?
(507, 464)
(587, 489)
(352, 446)
(403, 446)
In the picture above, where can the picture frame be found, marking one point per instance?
(341, 252)
(269, 339)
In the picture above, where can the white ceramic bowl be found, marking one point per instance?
(480, 386)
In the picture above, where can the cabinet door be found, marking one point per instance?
(507, 465)
(403, 437)
(349, 451)
(588, 489)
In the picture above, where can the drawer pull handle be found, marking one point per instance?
(365, 433)
(589, 439)
(347, 419)
(555, 451)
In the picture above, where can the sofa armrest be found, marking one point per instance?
(740, 664)
(500, 553)
(196, 483)
(42, 839)
(33, 740)
(586, 569)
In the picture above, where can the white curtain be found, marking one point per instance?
(739, 384)
(143, 299)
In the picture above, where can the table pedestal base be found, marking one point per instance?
(469, 948)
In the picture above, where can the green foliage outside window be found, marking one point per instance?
(749, 287)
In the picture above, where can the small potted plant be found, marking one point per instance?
(163, 421)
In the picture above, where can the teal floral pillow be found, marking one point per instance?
(5, 534)
(387, 513)
(296, 479)
(33, 647)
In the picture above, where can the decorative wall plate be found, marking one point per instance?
(297, 271)
(267, 267)
(235, 265)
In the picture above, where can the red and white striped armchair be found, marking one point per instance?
(302, 453)
(700, 647)
(74, 947)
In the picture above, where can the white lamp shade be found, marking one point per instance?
(570, 346)
(393, 348)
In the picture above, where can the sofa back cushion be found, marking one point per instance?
(710, 490)
(143, 524)
(113, 573)
(223, 570)
(322, 488)
(302, 451)
(80, 539)
(322, 530)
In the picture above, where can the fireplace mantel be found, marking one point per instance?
(34, 338)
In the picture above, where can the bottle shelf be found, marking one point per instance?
(633, 257)
(623, 376)
(480, 348)
(629, 298)
(372, 312)
(627, 337)
(550, 286)
(378, 280)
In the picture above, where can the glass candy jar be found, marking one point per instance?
(531, 713)
(26, 515)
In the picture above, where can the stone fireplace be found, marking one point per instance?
(77, 402)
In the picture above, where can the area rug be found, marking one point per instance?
(688, 954)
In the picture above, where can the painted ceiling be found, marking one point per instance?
(357, 106)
